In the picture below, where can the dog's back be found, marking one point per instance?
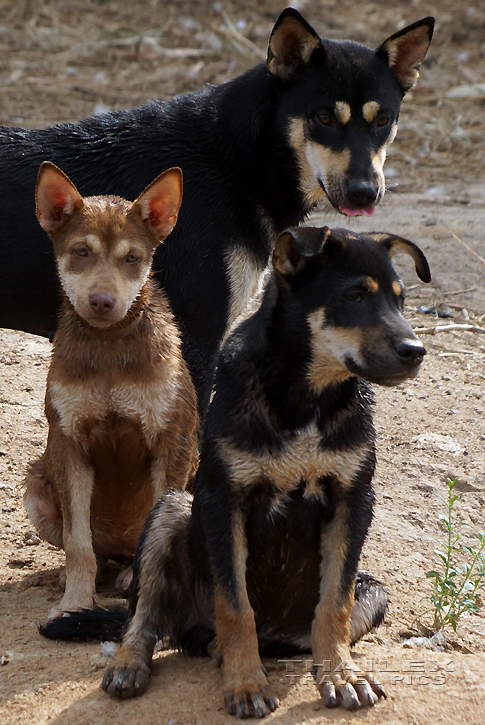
(257, 153)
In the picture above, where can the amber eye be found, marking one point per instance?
(81, 252)
(325, 119)
(132, 258)
(383, 121)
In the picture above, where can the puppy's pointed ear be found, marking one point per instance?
(295, 247)
(159, 204)
(291, 45)
(56, 198)
(395, 244)
(405, 51)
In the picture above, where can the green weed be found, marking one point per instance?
(456, 587)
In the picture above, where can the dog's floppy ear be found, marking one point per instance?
(158, 205)
(405, 51)
(56, 198)
(395, 244)
(296, 246)
(291, 45)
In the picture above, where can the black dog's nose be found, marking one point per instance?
(361, 193)
(410, 351)
(101, 303)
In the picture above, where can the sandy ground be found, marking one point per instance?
(428, 429)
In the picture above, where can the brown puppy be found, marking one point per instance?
(120, 402)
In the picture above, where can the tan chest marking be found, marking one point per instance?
(302, 459)
(150, 404)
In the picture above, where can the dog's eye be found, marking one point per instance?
(81, 252)
(383, 121)
(132, 258)
(354, 295)
(325, 119)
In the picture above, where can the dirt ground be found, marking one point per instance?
(63, 60)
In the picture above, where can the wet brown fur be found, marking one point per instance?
(120, 404)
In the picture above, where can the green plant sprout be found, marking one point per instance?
(456, 590)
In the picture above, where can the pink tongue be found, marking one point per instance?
(357, 212)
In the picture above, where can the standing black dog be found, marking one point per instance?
(283, 496)
(257, 153)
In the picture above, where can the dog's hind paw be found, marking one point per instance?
(123, 581)
(251, 703)
(125, 681)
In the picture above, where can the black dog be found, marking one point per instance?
(257, 153)
(283, 496)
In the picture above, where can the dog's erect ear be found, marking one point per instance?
(159, 204)
(291, 45)
(395, 244)
(56, 198)
(296, 246)
(405, 51)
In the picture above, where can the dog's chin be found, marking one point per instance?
(101, 322)
(391, 381)
(386, 378)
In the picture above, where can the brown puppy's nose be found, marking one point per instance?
(410, 351)
(101, 304)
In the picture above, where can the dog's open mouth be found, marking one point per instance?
(348, 210)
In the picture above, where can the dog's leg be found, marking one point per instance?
(245, 686)
(42, 504)
(75, 482)
(156, 592)
(175, 450)
(129, 674)
(338, 678)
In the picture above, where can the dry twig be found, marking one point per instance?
(447, 328)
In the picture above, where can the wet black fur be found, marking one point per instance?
(240, 183)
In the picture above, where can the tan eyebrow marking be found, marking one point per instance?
(370, 110)
(342, 112)
(94, 242)
(371, 284)
(397, 289)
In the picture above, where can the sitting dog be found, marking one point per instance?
(311, 125)
(267, 553)
(120, 402)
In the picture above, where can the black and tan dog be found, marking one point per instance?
(283, 499)
(311, 125)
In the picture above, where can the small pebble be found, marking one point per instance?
(32, 539)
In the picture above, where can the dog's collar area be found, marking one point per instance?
(111, 333)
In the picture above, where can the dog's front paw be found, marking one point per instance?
(250, 702)
(125, 680)
(70, 604)
(352, 690)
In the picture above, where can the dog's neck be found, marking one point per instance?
(114, 332)
(111, 333)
